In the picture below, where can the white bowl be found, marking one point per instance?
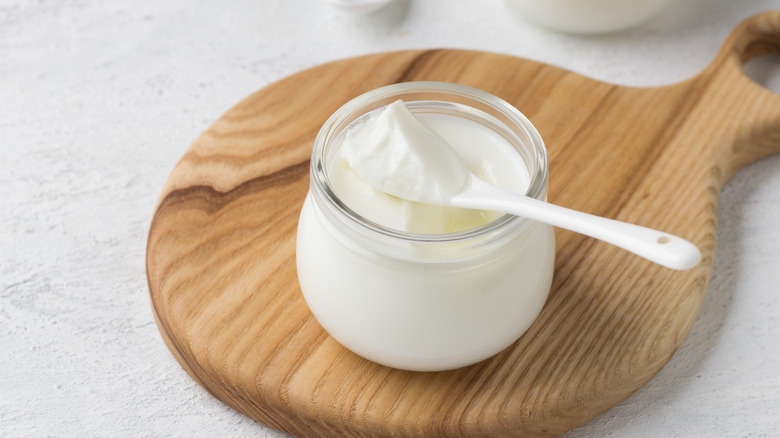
(589, 16)
(358, 6)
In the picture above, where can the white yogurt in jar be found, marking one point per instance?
(380, 144)
(415, 286)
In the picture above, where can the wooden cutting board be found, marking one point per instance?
(221, 249)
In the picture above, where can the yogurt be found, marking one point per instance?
(425, 158)
(416, 286)
(397, 154)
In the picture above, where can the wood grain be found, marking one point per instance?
(221, 248)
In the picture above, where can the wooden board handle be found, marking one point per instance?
(756, 36)
(751, 111)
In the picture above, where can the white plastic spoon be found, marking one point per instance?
(656, 246)
(396, 154)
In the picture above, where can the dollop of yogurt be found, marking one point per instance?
(398, 155)
(395, 168)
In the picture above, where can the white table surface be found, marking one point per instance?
(99, 99)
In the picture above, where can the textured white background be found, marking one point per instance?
(99, 99)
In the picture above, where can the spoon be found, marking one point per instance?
(662, 248)
(400, 156)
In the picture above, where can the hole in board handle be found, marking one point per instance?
(765, 71)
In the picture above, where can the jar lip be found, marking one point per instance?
(538, 176)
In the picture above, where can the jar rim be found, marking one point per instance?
(538, 175)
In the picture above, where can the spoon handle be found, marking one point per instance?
(659, 247)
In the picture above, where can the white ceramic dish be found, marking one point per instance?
(589, 16)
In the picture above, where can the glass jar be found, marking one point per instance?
(424, 302)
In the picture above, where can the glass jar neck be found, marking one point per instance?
(445, 97)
